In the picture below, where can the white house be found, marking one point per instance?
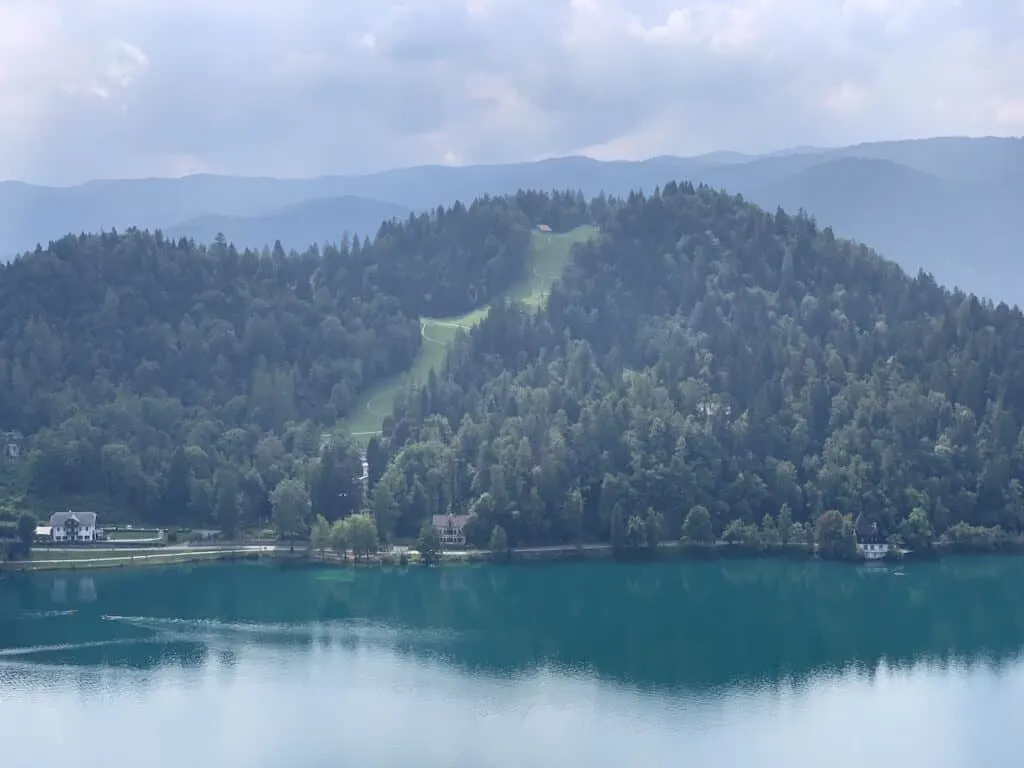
(12, 442)
(870, 542)
(73, 526)
(450, 528)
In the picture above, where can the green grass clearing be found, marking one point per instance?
(90, 554)
(134, 558)
(135, 534)
(549, 255)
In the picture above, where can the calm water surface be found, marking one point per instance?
(737, 664)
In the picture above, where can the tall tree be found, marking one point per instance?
(290, 501)
(429, 543)
(26, 530)
(228, 504)
(175, 494)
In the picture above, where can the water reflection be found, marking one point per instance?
(772, 664)
(695, 626)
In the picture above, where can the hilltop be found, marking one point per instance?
(709, 370)
(180, 383)
(701, 368)
(947, 205)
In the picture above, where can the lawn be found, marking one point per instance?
(59, 560)
(135, 534)
(549, 255)
(90, 553)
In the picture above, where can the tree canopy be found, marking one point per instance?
(144, 369)
(704, 370)
(705, 357)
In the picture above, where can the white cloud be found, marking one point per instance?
(293, 87)
(845, 98)
(1011, 115)
(718, 26)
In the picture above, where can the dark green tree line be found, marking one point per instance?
(183, 383)
(702, 353)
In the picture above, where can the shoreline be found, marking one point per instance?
(303, 556)
(142, 558)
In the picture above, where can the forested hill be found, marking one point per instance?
(703, 354)
(146, 371)
(704, 369)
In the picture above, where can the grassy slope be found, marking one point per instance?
(549, 255)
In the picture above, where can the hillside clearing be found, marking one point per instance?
(549, 255)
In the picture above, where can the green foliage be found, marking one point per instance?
(785, 524)
(26, 530)
(290, 502)
(636, 532)
(499, 541)
(704, 353)
(228, 506)
(799, 535)
(139, 366)
(743, 534)
(361, 534)
(700, 354)
(337, 537)
(916, 530)
(697, 526)
(335, 488)
(428, 544)
(974, 538)
(654, 528)
(834, 536)
(642, 532)
(320, 535)
(618, 531)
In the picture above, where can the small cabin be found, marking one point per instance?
(870, 542)
(451, 529)
(12, 443)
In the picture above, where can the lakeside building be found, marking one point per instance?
(870, 541)
(451, 528)
(71, 526)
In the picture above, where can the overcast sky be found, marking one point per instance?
(115, 88)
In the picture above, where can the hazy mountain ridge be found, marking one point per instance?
(312, 222)
(948, 205)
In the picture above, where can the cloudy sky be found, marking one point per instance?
(114, 88)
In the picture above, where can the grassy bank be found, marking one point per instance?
(135, 534)
(59, 561)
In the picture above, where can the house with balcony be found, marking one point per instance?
(451, 529)
(73, 527)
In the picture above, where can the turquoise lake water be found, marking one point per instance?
(599, 664)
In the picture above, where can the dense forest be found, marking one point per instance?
(704, 370)
(176, 379)
(706, 361)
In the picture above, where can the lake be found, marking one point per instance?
(753, 663)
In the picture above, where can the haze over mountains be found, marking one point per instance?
(952, 206)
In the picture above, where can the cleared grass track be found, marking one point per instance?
(549, 255)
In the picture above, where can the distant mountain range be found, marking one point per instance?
(317, 221)
(952, 206)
